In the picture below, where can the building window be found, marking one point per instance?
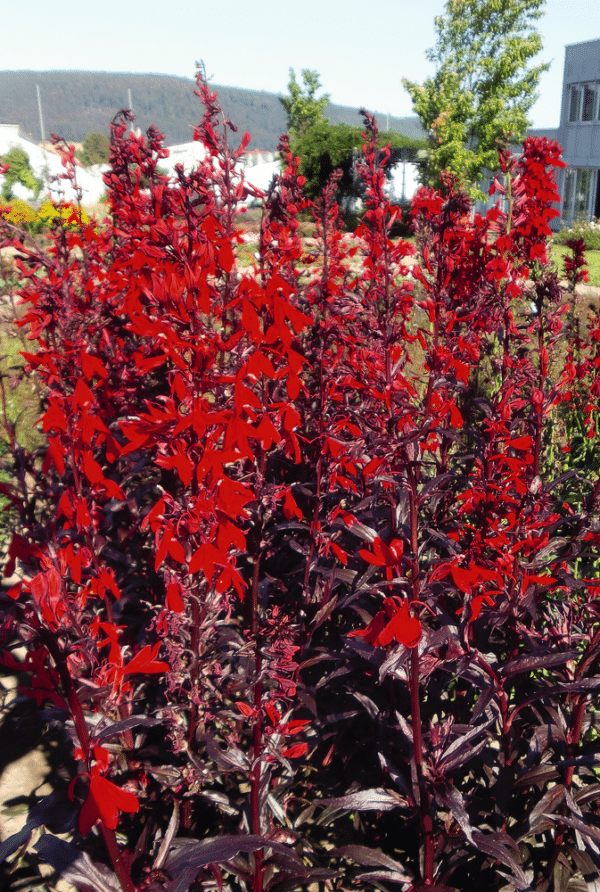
(581, 195)
(570, 179)
(589, 102)
(574, 103)
(583, 102)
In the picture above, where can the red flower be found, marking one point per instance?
(383, 555)
(104, 802)
(394, 622)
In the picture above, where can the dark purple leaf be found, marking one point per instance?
(584, 863)
(229, 759)
(364, 532)
(325, 612)
(168, 837)
(188, 857)
(591, 792)
(369, 705)
(290, 884)
(393, 772)
(583, 684)
(561, 874)
(14, 842)
(134, 721)
(592, 833)
(376, 799)
(397, 657)
(54, 811)
(393, 876)
(591, 759)
(368, 857)
(460, 749)
(444, 540)
(76, 867)
(547, 804)
(504, 849)
(541, 661)
(465, 753)
(453, 800)
(487, 704)
(539, 774)
(405, 727)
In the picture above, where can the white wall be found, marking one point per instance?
(46, 165)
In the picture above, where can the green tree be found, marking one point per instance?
(324, 148)
(302, 107)
(483, 87)
(19, 172)
(95, 149)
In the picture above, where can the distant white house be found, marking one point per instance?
(579, 134)
(47, 166)
(259, 168)
(188, 154)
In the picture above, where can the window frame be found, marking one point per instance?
(579, 110)
(579, 190)
(589, 90)
(575, 93)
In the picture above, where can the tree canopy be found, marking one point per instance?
(19, 172)
(302, 106)
(324, 147)
(483, 87)
(95, 149)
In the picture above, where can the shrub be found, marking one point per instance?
(17, 169)
(95, 149)
(20, 214)
(306, 569)
(589, 231)
(33, 221)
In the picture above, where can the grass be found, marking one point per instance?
(593, 260)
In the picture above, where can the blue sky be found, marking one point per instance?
(362, 50)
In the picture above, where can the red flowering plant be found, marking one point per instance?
(306, 576)
(462, 565)
(165, 373)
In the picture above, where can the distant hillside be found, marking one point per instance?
(75, 102)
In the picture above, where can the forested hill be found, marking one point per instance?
(76, 102)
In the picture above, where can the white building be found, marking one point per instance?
(579, 132)
(46, 166)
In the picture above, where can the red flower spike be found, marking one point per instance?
(388, 556)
